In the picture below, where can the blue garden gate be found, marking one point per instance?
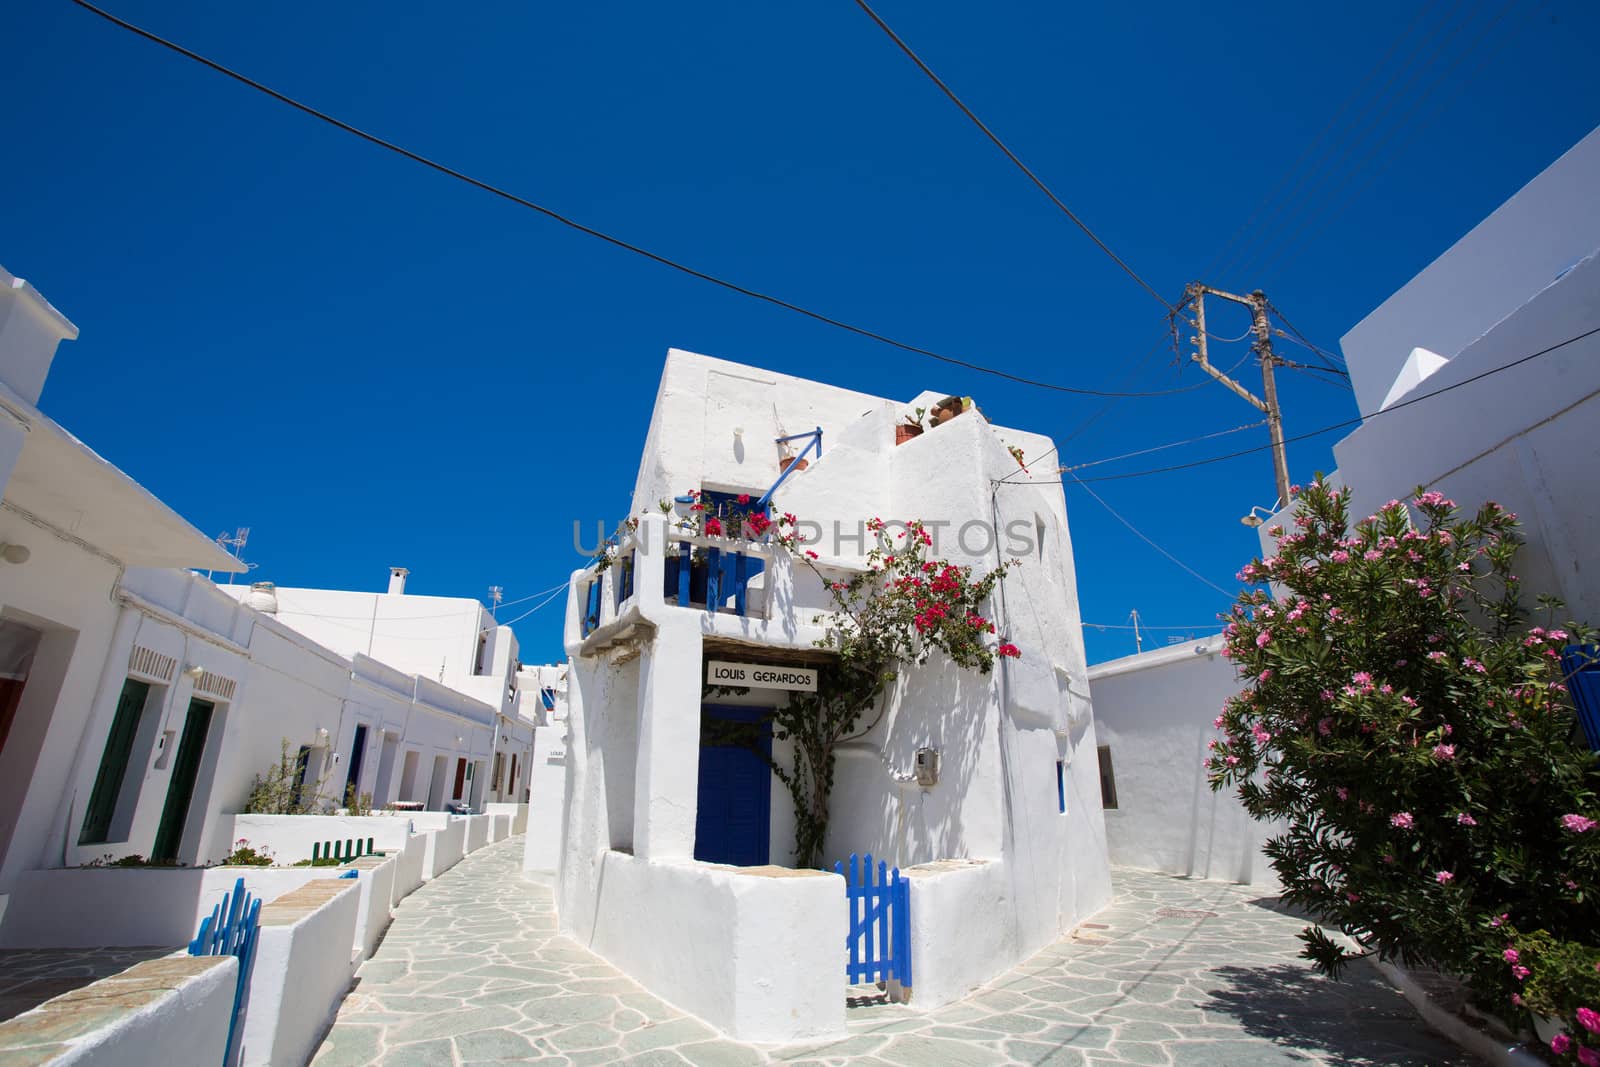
(230, 930)
(880, 922)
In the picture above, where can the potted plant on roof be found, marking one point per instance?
(911, 427)
(949, 408)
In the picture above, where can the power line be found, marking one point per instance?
(537, 606)
(1294, 250)
(617, 242)
(1290, 239)
(1012, 156)
(1055, 448)
(1269, 200)
(1163, 448)
(1336, 425)
(1147, 540)
(1146, 626)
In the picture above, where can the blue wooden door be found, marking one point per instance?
(734, 821)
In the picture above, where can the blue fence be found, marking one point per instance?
(880, 922)
(230, 930)
(710, 577)
(1581, 665)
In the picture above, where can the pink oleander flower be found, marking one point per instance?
(1325, 727)
(1588, 1056)
(1516, 998)
(1217, 722)
(1402, 820)
(1519, 972)
(1499, 920)
(1444, 877)
(1589, 1019)
(1578, 824)
(1232, 761)
(1342, 793)
(1511, 955)
(1465, 820)
(1264, 638)
(1560, 1043)
(1444, 752)
(1264, 675)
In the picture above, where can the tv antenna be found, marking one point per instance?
(234, 546)
(496, 594)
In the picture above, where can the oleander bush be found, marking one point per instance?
(1413, 732)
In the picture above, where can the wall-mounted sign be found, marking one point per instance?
(762, 676)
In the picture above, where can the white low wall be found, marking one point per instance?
(408, 867)
(757, 952)
(376, 882)
(290, 837)
(953, 951)
(477, 831)
(518, 813)
(443, 847)
(88, 907)
(301, 972)
(499, 825)
(165, 1011)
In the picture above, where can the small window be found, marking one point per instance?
(1108, 780)
(1061, 786)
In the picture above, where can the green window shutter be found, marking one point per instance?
(114, 763)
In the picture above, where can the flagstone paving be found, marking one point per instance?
(1175, 972)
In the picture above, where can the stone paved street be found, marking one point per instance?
(1182, 972)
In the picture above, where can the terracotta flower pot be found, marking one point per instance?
(905, 432)
(944, 415)
(799, 465)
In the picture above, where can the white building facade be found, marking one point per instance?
(140, 700)
(667, 830)
(1153, 716)
(454, 649)
(1479, 378)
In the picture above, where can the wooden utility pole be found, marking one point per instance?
(1195, 296)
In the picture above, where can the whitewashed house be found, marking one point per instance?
(984, 789)
(1152, 715)
(140, 700)
(456, 650)
(71, 527)
(1478, 378)
(542, 700)
(1505, 328)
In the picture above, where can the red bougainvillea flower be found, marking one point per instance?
(744, 498)
(713, 526)
(1009, 650)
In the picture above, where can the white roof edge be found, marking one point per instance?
(68, 328)
(1158, 657)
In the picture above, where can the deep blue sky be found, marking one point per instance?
(370, 364)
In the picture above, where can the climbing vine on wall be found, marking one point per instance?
(897, 612)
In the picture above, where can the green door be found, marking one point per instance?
(114, 763)
(185, 769)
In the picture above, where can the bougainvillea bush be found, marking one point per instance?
(905, 605)
(1410, 724)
